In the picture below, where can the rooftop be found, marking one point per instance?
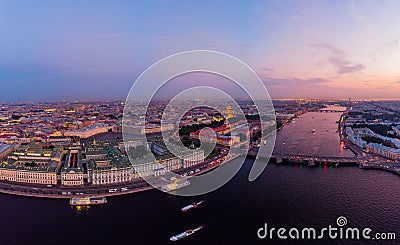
(4, 147)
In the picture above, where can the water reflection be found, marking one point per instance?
(315, 133)
(80, 209)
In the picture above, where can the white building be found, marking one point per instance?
(90, 130)
(384, 151)
(355, 138)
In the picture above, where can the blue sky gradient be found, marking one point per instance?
(75, 50)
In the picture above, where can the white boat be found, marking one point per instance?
(184, 234)
(190, 206)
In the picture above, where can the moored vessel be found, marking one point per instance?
(81, 201)
(175, 185)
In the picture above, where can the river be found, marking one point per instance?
(298, 138)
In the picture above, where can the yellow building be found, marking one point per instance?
(35, 163)
(72, 178)
(33, 176)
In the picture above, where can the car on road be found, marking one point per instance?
(124, 189)
(112, 190)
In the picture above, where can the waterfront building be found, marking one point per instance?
(171, 164)
(355, 139)
(167, 162)
(362, 132)
(192, 158)
(32, 175)
(36, 163)
(108, 165)
(143, 168)
(72, 173)
(93, 164)
(385, 151)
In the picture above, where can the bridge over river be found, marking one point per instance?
(314, 139)
(364, 162)
(314, 159)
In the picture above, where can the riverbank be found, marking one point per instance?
(383, 166)
(60, 192)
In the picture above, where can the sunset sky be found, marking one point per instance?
(71, 50)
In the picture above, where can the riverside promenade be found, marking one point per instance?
(138, 185)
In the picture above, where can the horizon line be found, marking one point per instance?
(192, 99)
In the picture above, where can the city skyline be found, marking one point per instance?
(318, 49)
(211, 122)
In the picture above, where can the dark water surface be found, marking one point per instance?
(298, 137)
(283, 196)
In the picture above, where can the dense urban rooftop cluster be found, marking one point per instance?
(375, 127)
(38, 121)
(67, 143)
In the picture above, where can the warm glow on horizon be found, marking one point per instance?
(318, 49)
